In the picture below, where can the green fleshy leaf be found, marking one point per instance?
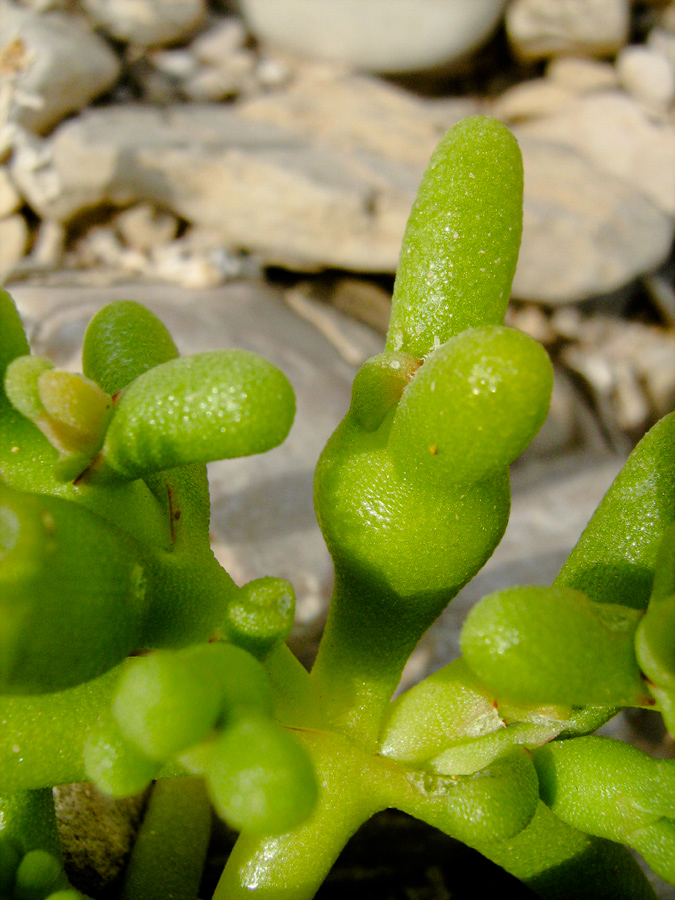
(460, 248)
(492, 804)
(447, 706)
(115, 765)
(656, 845)
(615, 558)
(194, 409)
(473, 407)
(51, 552)
(260, 616)
(655, 643)
(557, 861)
(123, 341)
(169, 700)
(605, 787)
(39, 875)
(260, 778)
(554, 645)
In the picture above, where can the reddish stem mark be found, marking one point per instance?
(174, 514)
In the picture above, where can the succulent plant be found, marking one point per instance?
(129, 657)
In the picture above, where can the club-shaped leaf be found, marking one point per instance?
(194, 409)
(460, 248)
(554, 645)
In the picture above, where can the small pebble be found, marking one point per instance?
(581, 74)
(13, 243)
(648, 75)
(10, 198)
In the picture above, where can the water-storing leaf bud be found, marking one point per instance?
(72, 594)
(472, 407)
(168, 700)
(70, 410)
(378, 386)
(260, 616)
(460, 248)
(554, 645)
(194, 409)
(260, 778)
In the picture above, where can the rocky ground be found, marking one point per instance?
(246, 171)
(199, 143)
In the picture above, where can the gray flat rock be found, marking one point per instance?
(576, 210)
(258, 185)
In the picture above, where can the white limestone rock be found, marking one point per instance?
(532, 99)
(10, 198)
(225, 36)
(541, 28)
(322, 175)
(581, 75)
(628, 367)
(376, 36)
(662, 40)
(585, 231)
(618, 136)
(217, 65)
(300, 177)
(294, 201)
(647, 75)
(147, 23)
(143, 226)
(196, 267)
(13, 242)
(352, 113)
(53, 65)
(566, 79)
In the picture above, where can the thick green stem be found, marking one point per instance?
(292, 866)
(170, 850)
(189, 596)
(296, 702)
(28, 818)
(355, 679)
(560, 863)
(42, 738)
(491, 805)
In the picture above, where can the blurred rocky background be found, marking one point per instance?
(246, 170)
(200, 142)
